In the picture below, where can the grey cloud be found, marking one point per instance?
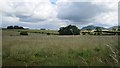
(24, 18)
(79, 11)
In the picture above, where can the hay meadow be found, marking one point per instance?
(38, 49)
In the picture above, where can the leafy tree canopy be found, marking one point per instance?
(69, 30)
(15, 27)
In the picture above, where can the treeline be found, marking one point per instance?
(89, 30)
(74, 30)
(15, 27)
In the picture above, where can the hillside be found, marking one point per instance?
(113, 27)
(92, 27)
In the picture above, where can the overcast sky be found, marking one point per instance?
(53, 14)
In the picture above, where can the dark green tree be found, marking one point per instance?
(113, 29)
(69, 30)
(15, 27)
(118, 28)
(98, 30)
(10, 27)
(89, 31)
(20, 27)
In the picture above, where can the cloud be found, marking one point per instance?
(29, 8)
(88, 12)
(97, 1)
(79, 11)
(108, 19)
(27, 11)
(43, 13)
(29, 18)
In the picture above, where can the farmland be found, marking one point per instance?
(40, 49)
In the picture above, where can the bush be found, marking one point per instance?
(23, 33)
(83, 33)
(48, 33)
(42, 29)
(69, 30)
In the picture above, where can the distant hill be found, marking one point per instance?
(113, 27)
(92, 27)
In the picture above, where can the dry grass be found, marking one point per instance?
(43, 50)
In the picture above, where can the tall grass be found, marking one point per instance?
(54, 50)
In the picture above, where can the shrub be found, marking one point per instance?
(42, 29)
(23, 33)
(83, 33)
(48, 33)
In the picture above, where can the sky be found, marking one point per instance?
(53, 14)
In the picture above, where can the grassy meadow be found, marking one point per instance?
(39, 49)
